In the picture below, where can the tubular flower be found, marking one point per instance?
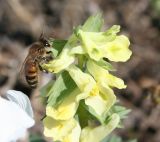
(62, 61)
(84, 81)
(98, 133)
(65, 131)
(67, 109)
(102, 75)
(101, 103)
(100, 98)
(104, 101)
(117, 50)
(105, 44)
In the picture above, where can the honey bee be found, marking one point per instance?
(37, 55)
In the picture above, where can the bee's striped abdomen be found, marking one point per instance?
(31, 73)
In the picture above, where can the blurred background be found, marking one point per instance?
(22, 22)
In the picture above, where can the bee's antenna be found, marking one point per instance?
(43, 39)
(42, 34)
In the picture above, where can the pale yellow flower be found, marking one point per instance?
(97, 96)
(102, 75)
(61, 62)
(97, 134)
(64, 131)
(88, 85)
(105, 44)
(84, 81)
(102, 102)
(117, 50)
(67, 109)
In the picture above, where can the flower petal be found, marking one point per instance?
(66, 131)
(102, 75)
(115, 81)
(108, 95)
(97, 103)
(102, 102)
(89, 46)
(117, 50)
(77, 50)
(21, 99)
(67, 109)
(84, 81)
(98, 133)
(96, 71)
(105, 44)
(62, 61)
(13, 127)
(74, 135)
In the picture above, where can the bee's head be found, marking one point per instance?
(44, 41)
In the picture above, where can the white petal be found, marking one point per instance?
(21, 99)
(13, 121)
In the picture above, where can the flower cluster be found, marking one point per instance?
(80, 100)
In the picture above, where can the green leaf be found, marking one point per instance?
(63, 86)
(45, 89)
(120, 110)
(155, 4)
(57, 46)
(113, 30)
(113, 138)
(93, 23)
(36, 138)
(84, 115)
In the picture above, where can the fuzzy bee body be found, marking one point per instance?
(31, 73)
(36, 56)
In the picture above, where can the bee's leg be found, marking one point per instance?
(41, 69)
(49, 52)
(47, 58)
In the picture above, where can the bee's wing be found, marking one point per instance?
(21, 74)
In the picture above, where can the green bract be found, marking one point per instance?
(81, 102)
